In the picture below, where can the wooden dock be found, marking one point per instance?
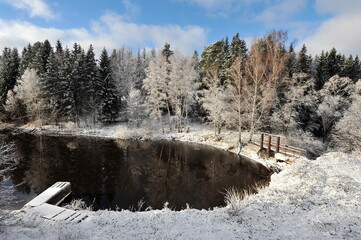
(45, 204)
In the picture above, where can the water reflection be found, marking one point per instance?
(119, 174)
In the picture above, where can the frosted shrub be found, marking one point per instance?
(78, 204)
(125, 132)
(233, 198)
(305, 140)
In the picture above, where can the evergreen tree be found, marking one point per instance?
(41, 54)
(225, 61)
(238, 48)
(26, 58)
(9, 72)
(110, 102)
(333, 63)
(93, 88)
(50, 87)
(357, 65)
(322, 73)
(290, 67)
(303, 63)
(66, 88)
(139, 70)
(166, 52)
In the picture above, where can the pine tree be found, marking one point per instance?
(110, 102)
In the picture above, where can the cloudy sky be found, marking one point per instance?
(186, 24)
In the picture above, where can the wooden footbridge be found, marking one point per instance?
(45, 204)
(267, 143)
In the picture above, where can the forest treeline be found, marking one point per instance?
(267, 86)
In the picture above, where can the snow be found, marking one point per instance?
(318, 199)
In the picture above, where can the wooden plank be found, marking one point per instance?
(54, 195)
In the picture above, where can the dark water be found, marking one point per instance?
(118, 174)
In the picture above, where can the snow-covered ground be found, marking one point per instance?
(318, 199)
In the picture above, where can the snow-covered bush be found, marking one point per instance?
(307, 141)
(347, 134)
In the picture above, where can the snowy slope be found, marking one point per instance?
(318, 199)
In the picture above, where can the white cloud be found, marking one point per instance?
(110, 31)
(341, 30)
(35, 8)
(281, 11)
(337, 6)
(212, 5)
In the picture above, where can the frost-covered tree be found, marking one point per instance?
(123, 68)
(297, 95)
(155, 85)
(182, 87)
(214, 100)
(347, 135)
(28, 91)
(135, 107)
(334, 99)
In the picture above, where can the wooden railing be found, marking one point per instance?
(276, 146)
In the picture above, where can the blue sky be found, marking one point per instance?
(186, 24)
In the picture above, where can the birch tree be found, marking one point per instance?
(182, 87)
(263, 72)
(28, 91)
(155, 85)
(214, 100)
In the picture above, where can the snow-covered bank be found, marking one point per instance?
(198, 133)
(318, 199)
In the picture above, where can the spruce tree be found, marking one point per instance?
(322, 73)
(290, 67)
(110, 102)
(238, 48)
(93, 89)
(166, 52)
(9, 72)
(66, 86)
(303, 63)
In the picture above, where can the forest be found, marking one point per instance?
(267, 86)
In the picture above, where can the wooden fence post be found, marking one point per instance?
(261, 141)
(278, 140)
(269, 147)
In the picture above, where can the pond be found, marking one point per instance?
(129, 174)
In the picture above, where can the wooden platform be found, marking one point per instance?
(45, 204)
